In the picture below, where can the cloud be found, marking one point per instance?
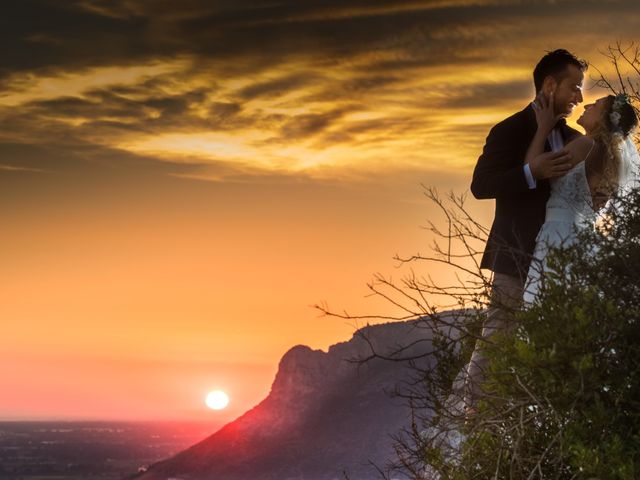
(300, 126)
(12, 168)
(51, 36)
(83, 159)
(485, 95)
(277, 85)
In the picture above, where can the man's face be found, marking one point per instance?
(568, 93)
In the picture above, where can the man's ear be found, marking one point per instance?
(549, 84)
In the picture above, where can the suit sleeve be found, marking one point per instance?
(500, 170)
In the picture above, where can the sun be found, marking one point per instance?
(217, 400)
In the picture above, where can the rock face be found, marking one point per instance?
(325, 416)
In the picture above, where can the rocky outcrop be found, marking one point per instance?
(327, 414)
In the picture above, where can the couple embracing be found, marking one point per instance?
(548, 180)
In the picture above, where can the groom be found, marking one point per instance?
(521, 192)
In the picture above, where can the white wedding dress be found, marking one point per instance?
(569, 208)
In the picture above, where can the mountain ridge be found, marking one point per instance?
(326, 415)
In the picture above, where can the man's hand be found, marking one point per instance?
(550, 164)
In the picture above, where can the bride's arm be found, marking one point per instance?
(546, 119)
(536, 147)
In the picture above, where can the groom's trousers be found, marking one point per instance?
(506, 298)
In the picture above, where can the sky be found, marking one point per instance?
(180, 183)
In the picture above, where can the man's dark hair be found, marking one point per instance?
(554, 64)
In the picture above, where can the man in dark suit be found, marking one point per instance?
(521, 192)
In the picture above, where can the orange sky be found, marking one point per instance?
(176, 196)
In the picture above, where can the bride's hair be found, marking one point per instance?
(617, 122)
(620, 116)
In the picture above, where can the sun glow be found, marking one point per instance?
(217, 400)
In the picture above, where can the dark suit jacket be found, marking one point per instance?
(520, 211)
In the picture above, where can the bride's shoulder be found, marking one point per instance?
(580, 141)
(580, 148)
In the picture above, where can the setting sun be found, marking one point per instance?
(217, 400)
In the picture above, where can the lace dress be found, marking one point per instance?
(569, 208)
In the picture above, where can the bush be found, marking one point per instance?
(563, 393)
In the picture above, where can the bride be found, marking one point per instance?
(605, 162)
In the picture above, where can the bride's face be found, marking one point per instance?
(592, 114)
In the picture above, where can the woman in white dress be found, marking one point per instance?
(603, 160)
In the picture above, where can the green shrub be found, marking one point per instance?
(563, 393)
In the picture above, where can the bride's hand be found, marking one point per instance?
(543, 107)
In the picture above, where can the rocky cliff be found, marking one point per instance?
(324, 416)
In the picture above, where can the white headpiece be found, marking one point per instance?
(615, 114)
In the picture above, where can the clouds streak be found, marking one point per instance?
(335, 82)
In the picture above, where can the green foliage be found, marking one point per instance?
(563, 393)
